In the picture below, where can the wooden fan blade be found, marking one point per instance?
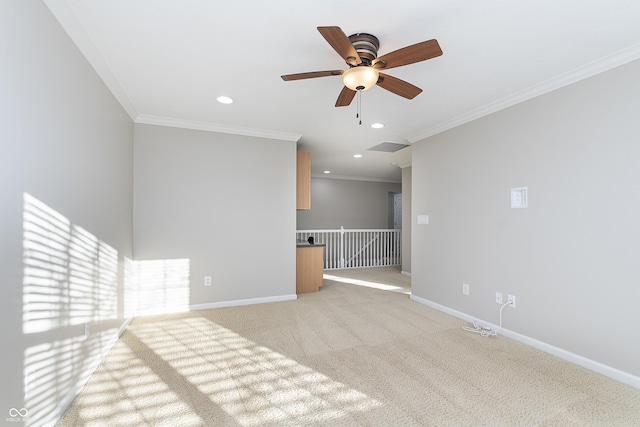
(345, 97)
(341, 44)
(311, 75)
(399, 87)
(409, 55)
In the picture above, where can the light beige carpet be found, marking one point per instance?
(359, 352)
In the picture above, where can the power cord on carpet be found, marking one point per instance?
(484, 330)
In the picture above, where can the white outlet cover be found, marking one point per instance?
(423, 219)
(519, 198)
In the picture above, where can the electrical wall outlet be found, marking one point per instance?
(512, 301)
(498, 297)
(207, 280)
(465, 289)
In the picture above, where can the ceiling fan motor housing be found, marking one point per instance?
(366, 45)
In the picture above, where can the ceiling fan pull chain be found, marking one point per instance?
(359, 113)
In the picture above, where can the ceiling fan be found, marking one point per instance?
(360, 52)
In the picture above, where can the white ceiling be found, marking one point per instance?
(167, 61)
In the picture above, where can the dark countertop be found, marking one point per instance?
(305, 244)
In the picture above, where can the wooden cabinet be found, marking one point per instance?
(303, 181)
(309, 268)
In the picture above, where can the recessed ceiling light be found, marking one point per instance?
(357, 156)
(224, 100)
(377, 125)
(327, 171)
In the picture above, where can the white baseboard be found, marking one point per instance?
(405, 273)
(124, 326)
(84, 377)
(235, 303)
(613, 373)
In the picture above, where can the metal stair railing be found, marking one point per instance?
(357, 248)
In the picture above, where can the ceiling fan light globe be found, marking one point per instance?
(360, 78)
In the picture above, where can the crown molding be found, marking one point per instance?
(354, 178)
(596, 67)
(215, 127)
(74, 29)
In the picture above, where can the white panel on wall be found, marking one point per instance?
(519, 198)
(423, 219)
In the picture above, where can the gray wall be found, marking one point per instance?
(68, 145)
(224, 202)
(406, 220)
(572, 257)
(348, 203)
